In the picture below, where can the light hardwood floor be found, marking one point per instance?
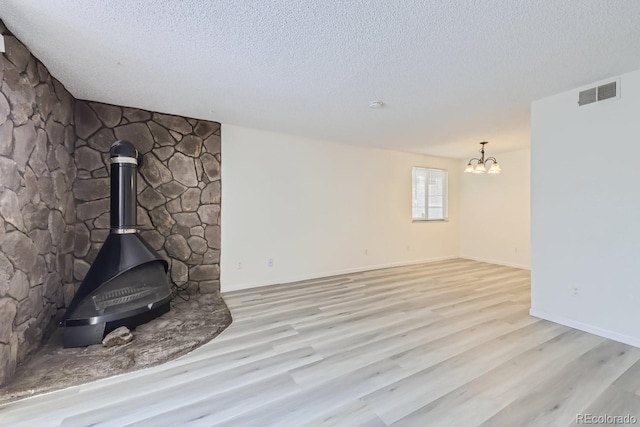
(441, 344)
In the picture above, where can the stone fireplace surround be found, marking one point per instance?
(54, 196)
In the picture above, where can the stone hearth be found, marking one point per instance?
(187, 326)
(54, 205)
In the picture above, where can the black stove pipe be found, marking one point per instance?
(124, 187)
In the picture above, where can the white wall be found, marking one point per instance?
(314, 207)
(585, 201)
(495, 221)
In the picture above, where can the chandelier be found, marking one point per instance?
(481, 165)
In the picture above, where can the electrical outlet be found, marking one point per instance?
(270, 262)
(239, 265)
(515, 250)
(576, 291)
(408, 248)
(366, 251)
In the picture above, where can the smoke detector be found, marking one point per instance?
(376, 104)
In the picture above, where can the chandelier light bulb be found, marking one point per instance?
(480, 168)
(495, 168)
(469, 168)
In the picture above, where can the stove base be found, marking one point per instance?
(82, 336)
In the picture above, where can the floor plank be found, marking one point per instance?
(557, 400)
(446, 343)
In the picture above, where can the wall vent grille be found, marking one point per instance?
(607, 91)
(587, 97)
(600, 93)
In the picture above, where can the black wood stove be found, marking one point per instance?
(127, 284)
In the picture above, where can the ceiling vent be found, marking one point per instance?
(600, 93)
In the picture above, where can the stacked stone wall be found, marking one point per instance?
(178, 188)
(37, 207)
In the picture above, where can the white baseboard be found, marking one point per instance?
(292, 279)
(498, 262)
(586, 327)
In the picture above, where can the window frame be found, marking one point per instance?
(445, 206)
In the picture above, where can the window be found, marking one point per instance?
(429, 194)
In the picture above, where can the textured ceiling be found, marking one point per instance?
(451, 73)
